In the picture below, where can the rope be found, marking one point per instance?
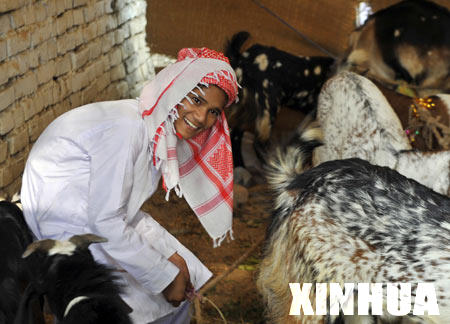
(303, 36)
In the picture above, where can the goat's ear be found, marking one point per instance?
(83, 241)
(44, 245)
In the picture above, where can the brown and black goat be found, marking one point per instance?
(406, 43)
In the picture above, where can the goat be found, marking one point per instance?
(348, 221)
(271, 78)
(77, 288)
(14, 238)
(358, 121)
(408, 42)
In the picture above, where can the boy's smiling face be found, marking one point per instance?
(202, 113)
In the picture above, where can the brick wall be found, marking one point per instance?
(56, 55)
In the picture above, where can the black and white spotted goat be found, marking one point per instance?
(14, 238)
(78, 289)
(348, 221)
(271, 79)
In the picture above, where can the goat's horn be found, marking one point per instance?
(45, 245)
(83, 241)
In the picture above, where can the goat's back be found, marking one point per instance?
(350, 221)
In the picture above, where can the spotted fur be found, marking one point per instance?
(351, 221)
(271, 79)
(358, 121)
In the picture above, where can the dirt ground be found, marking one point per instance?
(235, 295)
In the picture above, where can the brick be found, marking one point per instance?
(11, 5)
(122, 33)
(78, 17)
(105, 63)
(134, 77)
(6, 176)
(99, 8)
(118, 72)
(3, 50)
(29, 15)
(64, 22)
(103, 81)
(65, 43)
(18, 115)
(5, 24)
(68, 4)
(61, 24)
(89, 14)
(32, 58)
(25, 85)
(90, 31)
(18, 18)
(101, 26)
(110, 22)
(3, 150)
(6, 121)
(17, 140)
(65, 86)
(125, 14)
(115, 56)
(46, 118)
(61, 108)
(75, 100)
(63, 65)
(4, 70)
(132, 63)
(18, 41)
(47, 51)
(122, 89)
(137, 25)
(6, 97)
(50, 5)
(40, 12)
(109, 6)
(129, 47)
(18, 66)
(77, 36)
(108, 41)
(79, 58)
(95, 49)
(43, 97)
(56, 94)
(78, 3)
(60, 7)
(28, 107)
(44, 31)
(88, 94)
(77, 81)
(46, 72)
(34, 129)
(38, 104)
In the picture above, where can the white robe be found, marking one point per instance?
(89, 172)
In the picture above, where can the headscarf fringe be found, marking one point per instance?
(218, 240)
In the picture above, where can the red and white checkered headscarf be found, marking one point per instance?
(200, 168)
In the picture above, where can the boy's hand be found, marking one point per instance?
(175, 292)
